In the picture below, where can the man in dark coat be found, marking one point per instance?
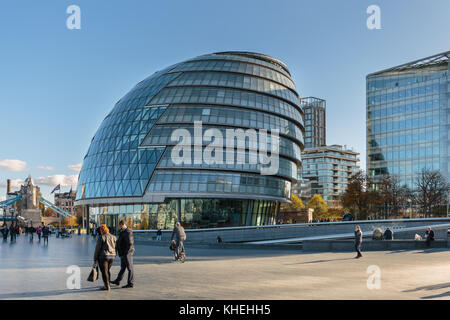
(45, 234)
(125, 250)
(430, 236)
(388, 234)
(358, 241)
(12, 232)
(5, 231)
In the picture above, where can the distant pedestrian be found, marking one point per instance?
(358, 241)
(429, 234)
(12, 233)
(5, 232)
(158, 234)
(388, 234)
(125, 250)
(219, 239)
(180, 236)
(32, 230)
(39, 233)
(105, 252)
(45, 234)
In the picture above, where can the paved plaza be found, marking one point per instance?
(33, 271)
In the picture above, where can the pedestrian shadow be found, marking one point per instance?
(399, 251)
(445, 294)
(36, 294)
(431, 287)
(431, 250)
(319, 261)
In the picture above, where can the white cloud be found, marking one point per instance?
(13, 165)
(48, 168)
(63, 180)
(75, 167)
(2, 198)
(16, 183)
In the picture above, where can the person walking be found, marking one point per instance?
(125, 250)
(12, 232)
(158, 235)
(358, 241)
(180, 237)
(105, 252)
(388, 234)
(429, 234)
(39, 233)
(32, 230)
(45, 234)
(5, 232)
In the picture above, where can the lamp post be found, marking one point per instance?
(410, 208)
(447, 203)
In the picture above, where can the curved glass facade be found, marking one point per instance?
(128, 171)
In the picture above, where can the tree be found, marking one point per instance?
(320, 207)
(356, 198)
(431, 192)
(49, 213)
(295, 205)
(394, 196)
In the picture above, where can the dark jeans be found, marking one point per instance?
(358, 248)
(45, 239)
(105, 267)
(126, 263)
(428, 242)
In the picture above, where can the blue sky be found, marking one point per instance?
(57, 85)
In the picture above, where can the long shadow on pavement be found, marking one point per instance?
(431, 287)
(318, 261)
(445, 294)
(44, 293)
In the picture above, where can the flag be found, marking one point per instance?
(58, 187)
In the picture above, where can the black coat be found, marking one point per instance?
(388, 235)
(125, 243)
(430, 235)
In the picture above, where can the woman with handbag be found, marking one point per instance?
(105, 252)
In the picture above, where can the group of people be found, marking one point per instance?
(41, 231)
(388, 235)
(14, 230)
(108, 247)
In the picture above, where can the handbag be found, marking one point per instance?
(94, 273)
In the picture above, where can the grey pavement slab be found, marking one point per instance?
(34, 271)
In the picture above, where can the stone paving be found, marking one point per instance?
(34, 271)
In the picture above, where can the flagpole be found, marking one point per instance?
(71, 207)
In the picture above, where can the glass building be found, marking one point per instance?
(408, 120)
(129, 172)
(327, 170)
(315, 125)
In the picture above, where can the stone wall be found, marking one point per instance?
(368, 245)
(247, 234)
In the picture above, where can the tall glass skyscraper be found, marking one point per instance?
(408, 119)
(315, 122)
